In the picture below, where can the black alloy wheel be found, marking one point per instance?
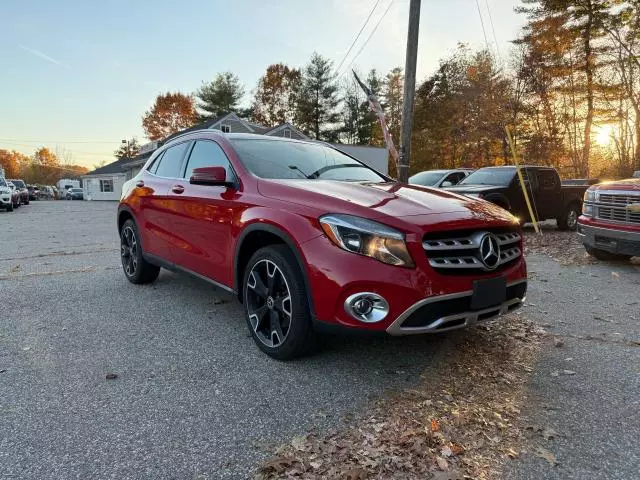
(268, 303)
(276, 304)
(136, 268)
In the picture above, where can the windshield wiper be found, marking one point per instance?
(295, 167)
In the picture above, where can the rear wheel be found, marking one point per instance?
(275, 304)
(606, 256)
(136, 268)
(569, 219)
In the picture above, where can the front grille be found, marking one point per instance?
(617, 214)
(460, 252)
(617, 199)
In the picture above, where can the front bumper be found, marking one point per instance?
(5, 199)
(609, 239)
(421, 300)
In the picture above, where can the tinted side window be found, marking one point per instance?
(171, 161)
(208, 154)
(547, 180)
(454, 177)
(154, 165)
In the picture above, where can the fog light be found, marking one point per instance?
(366, 307)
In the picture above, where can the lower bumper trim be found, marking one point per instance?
(458, 319)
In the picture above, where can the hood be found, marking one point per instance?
(632, 184)
(411, 203)
(462, 189)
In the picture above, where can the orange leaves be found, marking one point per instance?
(435, 426)
(170, 113)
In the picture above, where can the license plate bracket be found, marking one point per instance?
(488, 293)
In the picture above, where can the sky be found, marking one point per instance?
(77, 76)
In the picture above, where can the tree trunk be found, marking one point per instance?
(588, 70)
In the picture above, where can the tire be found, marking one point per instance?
(272, 279)
(10, 207)
(569, 218)
(27, 202)
(606, 256)
(135, 267)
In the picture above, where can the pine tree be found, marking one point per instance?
(317, 113)
(219, 97)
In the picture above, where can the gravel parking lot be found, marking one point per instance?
(194, 397)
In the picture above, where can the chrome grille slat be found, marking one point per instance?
(463, 252)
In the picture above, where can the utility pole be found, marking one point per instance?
(409, 90)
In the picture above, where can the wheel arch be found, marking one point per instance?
(259, 235)
(124, 214)
(498, 199)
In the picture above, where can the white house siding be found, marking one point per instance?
(376, 157)
(91, 187)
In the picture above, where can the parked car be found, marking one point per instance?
(311, 239)
(74, 194)
(22, 189)
(550, 198)
(6, 195)
(46, 192)
(440, 178)
(16, 197)
(34, 192)
(609, 226)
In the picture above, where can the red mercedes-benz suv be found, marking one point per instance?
(310, 238)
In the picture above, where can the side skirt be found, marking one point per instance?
(161, 262)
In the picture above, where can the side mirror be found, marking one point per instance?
(209, 176)
(446, 183)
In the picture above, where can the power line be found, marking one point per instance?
(369, 37)
(493, 30)
(484, 32)
(72, 151)
(358, 35)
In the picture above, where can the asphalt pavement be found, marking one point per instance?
(195, 398)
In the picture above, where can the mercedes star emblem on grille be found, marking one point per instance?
(490, 251)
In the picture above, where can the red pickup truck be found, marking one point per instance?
(610, 223)
(310, 239)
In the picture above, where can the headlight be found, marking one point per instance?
(368, 238)
(590, 196)
(587, 210)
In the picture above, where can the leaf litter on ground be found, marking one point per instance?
(462, 421)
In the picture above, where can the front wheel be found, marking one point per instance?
(275, 304)
(569, 218)
(10, 207)
(606, 256)
(136, 268)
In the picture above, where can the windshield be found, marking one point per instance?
(426, 178)
(490, 176)
(291, 160)
(18, 183)
(2, 182)
(76, 190)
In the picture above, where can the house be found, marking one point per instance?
(105, 183)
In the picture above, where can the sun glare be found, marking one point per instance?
(603, 135)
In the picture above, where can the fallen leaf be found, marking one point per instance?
(558, 342)
(450, 475)
(299, 443)
(549, 433)
(568, 372)
(446, 451)
(442, 463)
(512, 453)
(356, 474)
(547, 455)
(435, 427)
(615, 275)
(276, 465)
(316, 464)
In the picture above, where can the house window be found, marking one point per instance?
(286, 133)
(225, 128)
(106, 186)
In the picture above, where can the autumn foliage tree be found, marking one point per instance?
(170, 113)
(11, 162)
(275, 99)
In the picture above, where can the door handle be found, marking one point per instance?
(139, 183)
(177, 189)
